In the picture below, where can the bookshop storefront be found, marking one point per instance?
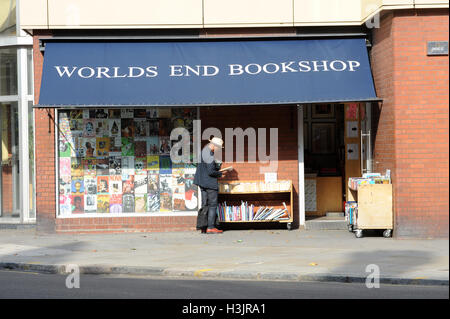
(110, 111)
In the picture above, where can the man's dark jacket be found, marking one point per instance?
(207, 171)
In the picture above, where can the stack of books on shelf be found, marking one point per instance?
(255, 187)
(246, 212)
(369, 178)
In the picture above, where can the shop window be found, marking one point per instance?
(117, 161)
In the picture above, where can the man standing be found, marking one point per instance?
(208, 171)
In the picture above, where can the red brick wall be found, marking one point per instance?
(45, 151)
(412, 137)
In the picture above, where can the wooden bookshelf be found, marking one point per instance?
(259, 194)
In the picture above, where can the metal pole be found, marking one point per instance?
(301, 166)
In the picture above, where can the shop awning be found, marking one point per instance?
(196, 73)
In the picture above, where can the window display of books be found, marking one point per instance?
(118, 161)
(254, 187)
(369, 178)
(246, 212)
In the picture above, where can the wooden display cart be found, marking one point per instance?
(258, 197)
(374, 208)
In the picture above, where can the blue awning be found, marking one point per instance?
(196, 73)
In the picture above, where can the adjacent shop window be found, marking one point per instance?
(118, 161)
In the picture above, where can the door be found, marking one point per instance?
(9, 164)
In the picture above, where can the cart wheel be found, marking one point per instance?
(350, 228)
(359, 233)
(387, 233)
(289, 226)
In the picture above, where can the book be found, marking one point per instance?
(103, 185)
(90, 203)
(115, 165)
(140, 205)
(140, 184)
(102, 203)
(153, 204)
(128, 203)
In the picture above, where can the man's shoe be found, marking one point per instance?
(214, 231)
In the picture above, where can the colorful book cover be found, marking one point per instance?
(153, 145)
(102, 203)
(90, 185)
(140, 146)
(76, 166)
(128, 203)
(127, 113)
(65, 185)
(165, 199)
(88, 128)
(115, 203)
(128, 185)
(153, 203)
(114, 128)
(140, 165)
(64, 166)
(115, 184)
(102, 184)
(89, 166)
(114, 113)
(77, 185)
(77, 204)
(101, 128)
(127, 146)
(127, 127)
(153, 182)
(164, 145)
(90, 203)
(65, 206)
(115, 165)
(102, 165)
(190, 192)
(89, 145)
(127, 165)
(102, 146)
(165, 165)
(178, 201)
(153, 127)
(140, 203)
(140, 184)
(101, 113)
(140, 128)
(64, 148)
(153, 163)
(178, 179)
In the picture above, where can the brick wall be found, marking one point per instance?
(45, 151)
(412, 137)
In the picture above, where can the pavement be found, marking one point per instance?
(297, 255)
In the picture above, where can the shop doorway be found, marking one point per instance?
(9, 165)
(336, 146)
